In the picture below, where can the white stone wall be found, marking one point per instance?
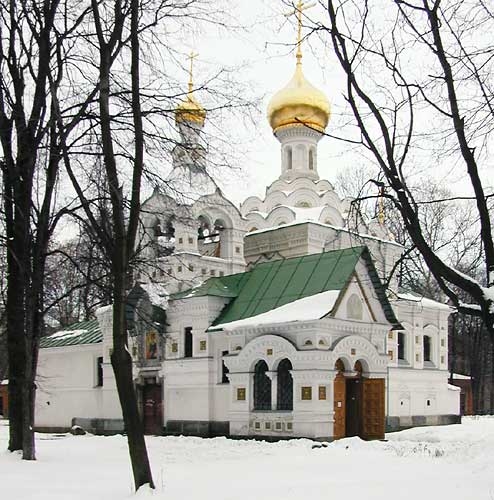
(67, 386)
(413, 392)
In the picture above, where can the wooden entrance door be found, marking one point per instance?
(373, 414)
(152, 414)
(353, 406)
(339, 406)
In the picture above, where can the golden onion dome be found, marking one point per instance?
(299, 103)
(189, 110)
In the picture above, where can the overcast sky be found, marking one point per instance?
(264, 52)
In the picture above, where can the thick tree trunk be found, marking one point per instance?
(122, 367)
(16, 340)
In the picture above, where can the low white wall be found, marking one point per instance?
(66, 386)
(420, 392)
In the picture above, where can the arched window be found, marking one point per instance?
(354, 308)
(203, 229)
(262, 387)
(165, 237)
(303, 204)
(285, 386)
(311, 159)
(339, 366)
(289, 158)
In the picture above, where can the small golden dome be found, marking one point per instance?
(189, 110)
(299, 103)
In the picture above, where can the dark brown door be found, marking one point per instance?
(339, 406)
(153, 419)
(353, 406)
(373, 414)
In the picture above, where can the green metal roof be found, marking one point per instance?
(85, 332)
(269, 285)
(272, 284)
(224, 286)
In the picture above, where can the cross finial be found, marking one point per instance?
(299, 8)
(191, 57)
(380, 214)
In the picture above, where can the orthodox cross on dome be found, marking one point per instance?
(191, 57)
(299, 8)
(380, 213)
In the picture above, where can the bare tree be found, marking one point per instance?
(419, 85)
(31, 34)
(133, 103)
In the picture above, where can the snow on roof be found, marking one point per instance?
(158, 295)
(84, 332)
(67, 334)
(5, 382)
(306, 309)
(459, 376)
(452, 387)
(304, 213)
(423, 301)
(103, 309)
(336, 228)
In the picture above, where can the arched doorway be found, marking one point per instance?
(353, 410)
(358, 402)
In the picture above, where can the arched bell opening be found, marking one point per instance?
(163, 233)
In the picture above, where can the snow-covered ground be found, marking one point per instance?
(453, 462)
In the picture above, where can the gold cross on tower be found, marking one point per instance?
(191, 56)
(299, 8)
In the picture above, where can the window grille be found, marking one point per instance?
(285, 386)
(262, 387)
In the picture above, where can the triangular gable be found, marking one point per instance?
(363, 310)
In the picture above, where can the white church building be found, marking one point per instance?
(269, 320)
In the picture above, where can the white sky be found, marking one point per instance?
(265, 53)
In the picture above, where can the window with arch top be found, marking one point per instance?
(311, 159)
(284, 399)
(354, 308)
(262, 387)
(289, 157)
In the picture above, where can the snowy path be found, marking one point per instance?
(454, 462)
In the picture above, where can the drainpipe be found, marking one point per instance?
(387, 398)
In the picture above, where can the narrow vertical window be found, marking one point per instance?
(289, 158)
(188, 342)
(224, 370)
(285, 386)
(99, 371)
(401, 345)
(311, 159)
(262, 387)
(427, 348)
